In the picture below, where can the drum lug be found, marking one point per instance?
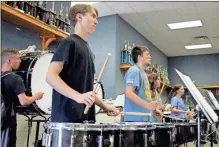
(111, 141)
(145, 140)
(46, 141)
(100, 141)
(174, 131)
(84, 141)
(152, 138)
(72, 140)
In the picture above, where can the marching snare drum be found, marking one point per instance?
(79, 135)
(131, 134)
(185, 132)
(160, 134)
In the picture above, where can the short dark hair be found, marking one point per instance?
(6, 53)
(79, 8)
(138, 51)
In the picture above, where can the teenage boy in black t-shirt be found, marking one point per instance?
(13, 88)
(71, 72)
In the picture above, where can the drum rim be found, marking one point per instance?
(81, 126)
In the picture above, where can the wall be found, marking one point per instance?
(102, 42)
(203, 69)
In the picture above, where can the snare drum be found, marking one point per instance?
(79, 135)
(131, 134)
(185, 132)
(160, 134)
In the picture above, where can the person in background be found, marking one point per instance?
(137, 87)
(155, 87)
(179, 109)
(13, 88)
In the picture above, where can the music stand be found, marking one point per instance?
(202, 104)
(213, 99)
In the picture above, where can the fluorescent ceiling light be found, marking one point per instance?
(83, 2)
(188, 24)
(190, 47)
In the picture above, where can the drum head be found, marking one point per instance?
(38, 82)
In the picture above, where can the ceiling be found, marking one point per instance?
(151, 19)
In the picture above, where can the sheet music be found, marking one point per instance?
(205, 107)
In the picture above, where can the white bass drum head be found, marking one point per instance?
(38, 82)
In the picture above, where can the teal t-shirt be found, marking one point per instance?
(136, 77)
(179, 104)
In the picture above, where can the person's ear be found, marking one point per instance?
(8, 60)
(78, 17)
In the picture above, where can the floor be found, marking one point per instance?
(191, 144)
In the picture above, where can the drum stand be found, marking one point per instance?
(198, 144)
(30, 121)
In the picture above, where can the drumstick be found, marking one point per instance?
(98, 79)
(162, 87)
(172, 117)
(135, 113)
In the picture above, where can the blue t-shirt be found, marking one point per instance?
(179, 104)
(136, 77)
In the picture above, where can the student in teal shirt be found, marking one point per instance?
(179, 108)
(137, 88)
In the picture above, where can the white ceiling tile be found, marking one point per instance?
(201, 5)
(132, 4)
(169, 16)
(145, 7)
(103, 9)
(117, 4)
(187, 12)
(162, 5)
(123, 10)
(212, 13)
(183, 5)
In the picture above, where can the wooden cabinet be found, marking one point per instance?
(47, 32)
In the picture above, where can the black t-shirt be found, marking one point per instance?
(78, 73)
(12, 86)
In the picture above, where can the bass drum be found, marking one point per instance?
(33, 70)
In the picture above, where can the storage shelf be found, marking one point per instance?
(208, 86)
(48, 32)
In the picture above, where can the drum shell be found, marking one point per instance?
(75, 134)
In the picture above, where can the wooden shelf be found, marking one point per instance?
(208, 86)
(125, 66)
(48, 32)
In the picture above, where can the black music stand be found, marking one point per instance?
(202, 105)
